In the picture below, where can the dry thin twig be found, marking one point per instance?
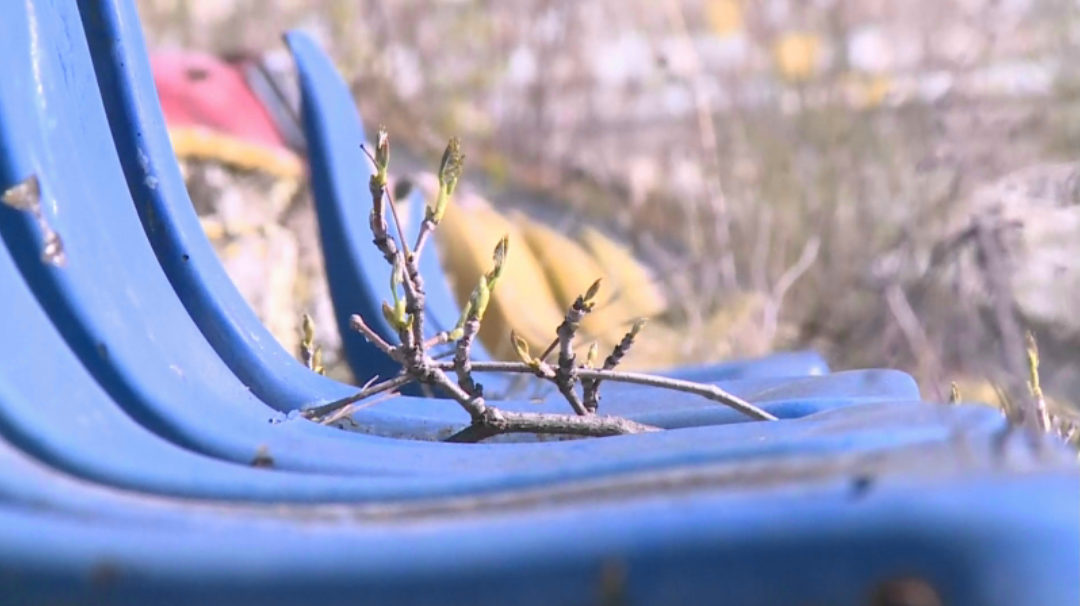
(462, 363)
(710, 392)
(323, 410)
(916, 337)
(708, 137)
(357, 323)
(566, 370)
(380, 229)
(591, 387)
(785, 282)
(994, 256)
(346, 411)
(501, 421)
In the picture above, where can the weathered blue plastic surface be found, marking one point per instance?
(731, 547)
(128, 429)
(183, 252)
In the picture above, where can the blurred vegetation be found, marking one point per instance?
(725, 131)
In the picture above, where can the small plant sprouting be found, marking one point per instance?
(405, 311)
(310, 352)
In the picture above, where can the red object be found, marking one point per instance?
(200, 90)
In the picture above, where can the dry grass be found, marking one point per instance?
(802, 140)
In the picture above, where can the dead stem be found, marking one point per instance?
(591, 387)
(497, 422)
(710, 392)
(318, 412)
(352, 408)
(357, 323)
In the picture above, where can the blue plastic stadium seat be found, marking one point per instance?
(150, 452)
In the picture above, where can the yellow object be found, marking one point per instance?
(725, 17)
(570, 270)
(878, 89)
(522, 301)
(796, 55)
(867, 91)
(732, 331)
(630, 280)
(205, 144)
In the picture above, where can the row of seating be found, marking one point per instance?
(151, 450)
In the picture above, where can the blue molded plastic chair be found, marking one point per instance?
(739, 547)
(135, 396)
(117, 312)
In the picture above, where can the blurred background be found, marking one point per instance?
(891, 183)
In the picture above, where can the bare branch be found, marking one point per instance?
(411, 281)
(710, 155)
(915, 334)
(415, 298)
(566, 370)
(325, 409)
(474, 405)
(450, 168)
(406, 316)
(995, 268)
(426, 228)
(462, 361)
(624, 345)
(591, 387)
(352, 408)
(791, 276)
(550, 349)
(496, 422)
(357, 324)
(380, 230)
(397, 221)
(441, 338)
(710, 392)
(785, 282)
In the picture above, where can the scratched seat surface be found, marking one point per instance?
(150, 452)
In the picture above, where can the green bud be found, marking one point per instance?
(388, 314)
(593, 290)
(499, 257)
(481, 296)
(307, 329)
(521, 347)
(382, 155)
(592, 355)
(450, 166)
